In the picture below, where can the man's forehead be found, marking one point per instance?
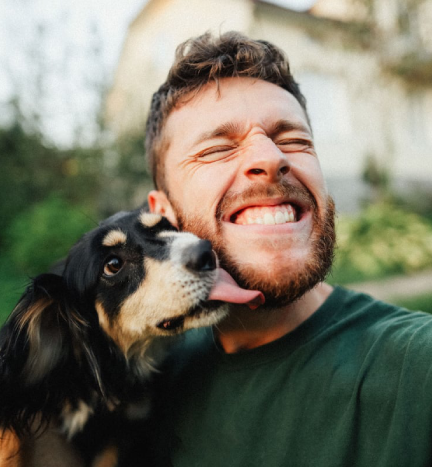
(230, 103)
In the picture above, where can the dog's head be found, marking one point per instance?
(143, 278)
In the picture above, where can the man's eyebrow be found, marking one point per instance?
(230, 129)
(227, 129)
(285, 126)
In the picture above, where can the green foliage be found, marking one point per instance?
(12, 285)
(42, 235)
(32, 170)
(384, 240)
(129, 180)
(377, 176)
(24, 175)
(34, 240)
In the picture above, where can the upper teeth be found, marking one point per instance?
(268, 215)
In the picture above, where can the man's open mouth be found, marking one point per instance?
(267, 215)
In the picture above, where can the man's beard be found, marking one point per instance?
(290, 286)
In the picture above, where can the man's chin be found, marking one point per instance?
(279, 289)
(296, 275)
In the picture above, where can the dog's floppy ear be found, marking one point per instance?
(114, 218)
(35, 342)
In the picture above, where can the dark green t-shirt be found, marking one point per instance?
(351, 386)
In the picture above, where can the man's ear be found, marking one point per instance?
(159, 204)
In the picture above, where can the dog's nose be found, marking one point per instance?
(200, 257)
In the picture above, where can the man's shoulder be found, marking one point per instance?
(379, 312)
(393, 325)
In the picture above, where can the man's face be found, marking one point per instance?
(241, 170)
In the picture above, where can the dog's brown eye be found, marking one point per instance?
(113, 266)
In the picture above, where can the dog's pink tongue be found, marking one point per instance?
(227, 290)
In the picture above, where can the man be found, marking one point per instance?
(315, 376)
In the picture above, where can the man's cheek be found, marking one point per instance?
(312, 178)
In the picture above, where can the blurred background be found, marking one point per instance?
(75, 84)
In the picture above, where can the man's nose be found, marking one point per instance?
(265, 162)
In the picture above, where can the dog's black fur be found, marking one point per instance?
(82, 345)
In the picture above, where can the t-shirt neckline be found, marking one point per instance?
(287, 343)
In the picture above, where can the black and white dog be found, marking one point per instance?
(84, 343)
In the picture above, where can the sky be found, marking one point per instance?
(57, 54)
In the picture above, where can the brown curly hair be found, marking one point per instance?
(201, 60)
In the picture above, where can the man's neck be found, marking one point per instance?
(245, 329)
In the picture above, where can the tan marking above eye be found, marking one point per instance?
(148, 219)
(114, 237)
